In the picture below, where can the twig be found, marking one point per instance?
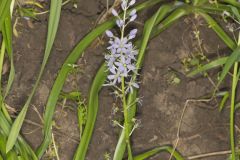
(39, 115)
(105, 15)
(181, 119)
(55, 147)
(74, 139)
(237, 128)
(219, 153)
(31, 132)
(107, 5)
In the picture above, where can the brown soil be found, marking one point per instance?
(204, 129)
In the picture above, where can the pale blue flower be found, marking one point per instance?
(109, 34)
(132, 2)
(114, 12)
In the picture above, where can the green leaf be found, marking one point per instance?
(215, 9)
(224, 96)
(12, 155)
(54, 17)
(70, 95)
(234, 57)
(7, 36)
(4, 8)
(237, 106)
(27, 12)
(92, 113)
(232, 2)
(172, 18)
(21, 145)
(157, 150)
(199, 2)
(235, 12)
(213, 64)
(3, 142)
(220, 32)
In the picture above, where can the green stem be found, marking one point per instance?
(1, 61)
(232, 110)
(125, 107)
(3, 107)
(126, 120)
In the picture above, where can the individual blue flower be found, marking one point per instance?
(109, 34)
(133, 17)
(124, 5)
(133, 12)
(132, 2)
(114, 12)
(120, 23)
(132, 34)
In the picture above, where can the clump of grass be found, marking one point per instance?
(5, 21)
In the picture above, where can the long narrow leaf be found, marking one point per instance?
(220, 32)
(4, 8)
(234, 57)
(21, 145)
(157, 150)
(54, 17)
(92, 112)
(7, 36)
(213, 64)
(232, 2)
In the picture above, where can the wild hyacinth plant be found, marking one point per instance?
(121, 63)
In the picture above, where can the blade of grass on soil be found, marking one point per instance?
(92, 103)
(24, 149)
(54, 17)
(232, 2)
(219, 31)
(4, 8)
(157, 150)
(213, 64)
(7, 36)
(234, 57)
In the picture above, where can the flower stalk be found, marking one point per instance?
(121, 63)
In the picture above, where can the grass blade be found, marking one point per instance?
(157, 150)
(7, 36)
(220, 32)
(21, 145)
(199, 2)
(213, 64)
(92, 112)
(223, 101)
(234, 57)
(54, 17)
(231, 2)
(4, 8)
